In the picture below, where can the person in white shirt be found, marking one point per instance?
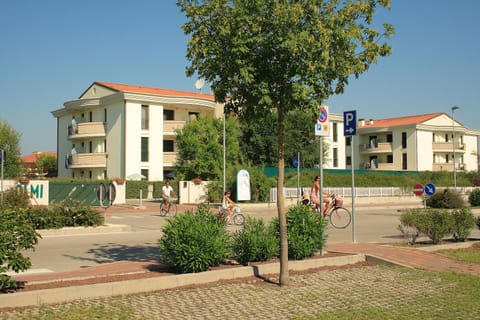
(167, 190)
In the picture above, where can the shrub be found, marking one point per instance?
(42, 217)
(306, 232)
(409, 226)
(194, 242)
(477, 222)
(74, 214)
(16, 235)
(255, 242)
(474, 197)
(464, 221)
(435, 223)
(448, 199)
(16, 198)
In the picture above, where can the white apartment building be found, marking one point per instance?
(427, 142)
(121, 131)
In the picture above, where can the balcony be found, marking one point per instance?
(86, 130)
(381, 147)
(86, 160)
(448, 167)
(169, 126)
(448, 147)
(169, 159)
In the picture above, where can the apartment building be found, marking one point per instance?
(125, 131)
(427, 142)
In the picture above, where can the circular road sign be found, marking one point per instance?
(430, 189)
(323, 117)
(418, 189)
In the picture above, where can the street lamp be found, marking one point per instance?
(453, 143)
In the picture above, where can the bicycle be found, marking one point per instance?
(165, 208)
(237, 217)
(339, 216)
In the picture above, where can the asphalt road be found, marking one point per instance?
(69, 252)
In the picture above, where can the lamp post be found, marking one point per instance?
(453, 143)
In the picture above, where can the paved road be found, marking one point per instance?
(70, 252)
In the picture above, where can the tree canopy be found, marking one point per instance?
(10, 144)
(280, 55)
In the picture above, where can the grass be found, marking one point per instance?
(470, 255)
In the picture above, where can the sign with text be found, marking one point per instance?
(350, 123)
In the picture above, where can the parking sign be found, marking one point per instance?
(350, 123)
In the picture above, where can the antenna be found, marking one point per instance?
(199, 84)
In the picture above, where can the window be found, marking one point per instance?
(105, 115)
(348, 141)
(389, 158)
(144, 156)
(335, 157)
(404, 140)
(348, 161)
(404, 161)
(192, 116)
(389, 138)
(335, 132)
(90, 116)
(168, 146)
(168, 115)
(144, 173)
(145, 120)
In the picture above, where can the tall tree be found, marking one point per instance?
(281, 55)
(10, 144)
(200, 147)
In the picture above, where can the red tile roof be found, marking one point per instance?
(32, 158)
(157, 91)
(401, 121)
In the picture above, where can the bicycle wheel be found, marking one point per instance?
(238, 219)
(173, 209)
(163, 209)
(340, 217)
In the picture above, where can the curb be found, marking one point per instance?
(108, 228)
(66, 294)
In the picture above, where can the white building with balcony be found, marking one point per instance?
(427, 142)
(120, 131)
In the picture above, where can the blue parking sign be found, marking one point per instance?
(350, 123)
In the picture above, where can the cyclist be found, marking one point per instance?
(228, 204)
(315, 196)
(166, 191)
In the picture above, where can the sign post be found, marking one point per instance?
(2, 156)
(418, 190)
(350, 130)
(322, 129)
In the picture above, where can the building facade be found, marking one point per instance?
(428, 142)
(124, 131)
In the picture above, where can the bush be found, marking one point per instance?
(16, 198)
(464, 221)
(409, 226)
(306, 232)
(434, 223)
(194, 242)
(255, 242)
(16, 236)
(42, 217)
(477, 222)
(474, 197)
(74, 215)
(448, 199)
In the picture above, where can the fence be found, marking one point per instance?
(372, 192)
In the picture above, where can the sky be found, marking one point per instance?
(51, 51)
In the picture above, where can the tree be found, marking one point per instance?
(200, 147)
(10, 144)
(47, 164)
(281, 55)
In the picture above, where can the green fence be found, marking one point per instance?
(84, 192)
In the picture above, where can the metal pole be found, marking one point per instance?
(298, 176)
(224, 156)
(453, 143)
(321, 175)
(2, 154)
(353, 190)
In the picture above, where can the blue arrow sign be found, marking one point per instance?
(295, 162)
(350, 123)
(429, 189)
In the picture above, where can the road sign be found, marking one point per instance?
(1, 155)
(112, 193)
(295, 162)
(322, 127)
(430, 189)
(102, 193)
(418, 189)
(350, 123)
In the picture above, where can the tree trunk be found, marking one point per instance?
(284, 274)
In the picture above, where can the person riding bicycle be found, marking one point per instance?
(228, 203)
(315, 196)
(166, 191)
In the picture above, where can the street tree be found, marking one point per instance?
(10, 144)
(47, 164)
(281, 55)
(200, 147)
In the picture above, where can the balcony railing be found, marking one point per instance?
(448, 167)
(86, 130)
(381, 147)
(86, 160)
(169, 126)
(169, 158)
(448, 147)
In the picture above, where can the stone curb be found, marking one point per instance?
(66, 294)
(108, 228)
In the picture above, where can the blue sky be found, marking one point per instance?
(52, 50)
